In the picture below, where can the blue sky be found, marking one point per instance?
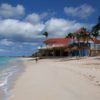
(22, 22)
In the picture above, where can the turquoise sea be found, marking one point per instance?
(8, 68)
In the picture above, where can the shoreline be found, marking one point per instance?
(19, 72)
(58, 79)
(14, 70)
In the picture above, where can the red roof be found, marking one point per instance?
(63, 41)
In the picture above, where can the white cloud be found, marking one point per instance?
(60, 27)
(26, 31)
(35, 18)
(12, 27)
(7, 10)
(82, 11)
(23, 36)
(6, 42)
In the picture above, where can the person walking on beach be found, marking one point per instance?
(36, 59)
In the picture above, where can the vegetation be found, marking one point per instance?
(45, 34)
(96, 28)
(83, 35)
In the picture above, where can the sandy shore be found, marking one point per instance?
(59, 79)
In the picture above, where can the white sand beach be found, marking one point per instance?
(59, 79)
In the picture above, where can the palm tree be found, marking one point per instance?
(85, 36)
(95, 31)
(96, 28)
(99, 19)
(78, 37)
(71, 35)
(95, 34)
(45, 34)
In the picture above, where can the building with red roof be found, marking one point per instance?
(66, 46)
(55, 47)
(57, 42)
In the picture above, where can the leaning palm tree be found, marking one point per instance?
(96, 28)
(99, 19)
(95, 31)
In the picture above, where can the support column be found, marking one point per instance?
(53, 52)
(60, 52)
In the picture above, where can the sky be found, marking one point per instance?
(22, 22)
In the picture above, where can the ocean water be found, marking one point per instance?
(8, 68)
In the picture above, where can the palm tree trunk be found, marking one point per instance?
(79, 48)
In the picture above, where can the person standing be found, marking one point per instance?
(36, 59)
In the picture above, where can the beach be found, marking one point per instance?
(58, 79)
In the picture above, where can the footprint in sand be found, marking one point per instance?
(98, 83)
(90, 77)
